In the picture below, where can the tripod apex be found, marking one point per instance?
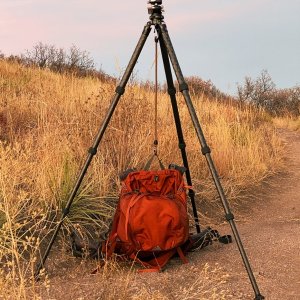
(155, 10)
(154, 4)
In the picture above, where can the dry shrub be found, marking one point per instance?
(48, 121)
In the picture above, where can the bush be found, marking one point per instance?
(59, 60)
(262, 92)
(198, 86)
(74, 61)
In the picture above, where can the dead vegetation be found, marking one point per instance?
(48, 122)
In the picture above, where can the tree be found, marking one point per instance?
(262, 92)
(257, 91)
(79, 61)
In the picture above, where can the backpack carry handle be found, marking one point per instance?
(150, 161)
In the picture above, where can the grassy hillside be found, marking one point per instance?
(47, 123)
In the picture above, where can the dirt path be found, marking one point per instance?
(271, 236)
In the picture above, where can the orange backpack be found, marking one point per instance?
(150, 224)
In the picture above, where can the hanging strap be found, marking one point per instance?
(150, 161)
(155, 143)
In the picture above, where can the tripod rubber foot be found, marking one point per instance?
(259, 297)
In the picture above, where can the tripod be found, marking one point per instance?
(155, 10)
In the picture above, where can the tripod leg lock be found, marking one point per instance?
(120, 90)
(205, 150)
(191, 193)
(172, 91)
(183, 87)
(92, 151)
(65, 211)
(181, 145)
(229, 217)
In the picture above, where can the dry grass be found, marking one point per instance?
(117, 281)
(292, 123)
(47, 123)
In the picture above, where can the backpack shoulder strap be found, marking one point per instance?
(158, 263)
(205, 238)
(108, 246)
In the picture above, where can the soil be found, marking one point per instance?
(269, 229)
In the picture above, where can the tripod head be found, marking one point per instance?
(155, 10)
(155, 2)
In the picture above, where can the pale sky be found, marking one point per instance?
(221, 40)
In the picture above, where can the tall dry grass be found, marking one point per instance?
(47, 123)
(292, 123)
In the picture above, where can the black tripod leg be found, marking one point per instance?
(172, 93)
(206, 151)
(93, 150)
